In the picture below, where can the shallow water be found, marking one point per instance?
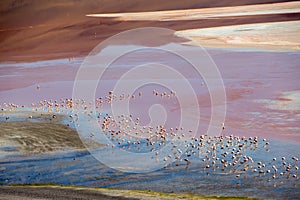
(80, 168)
(262, 90)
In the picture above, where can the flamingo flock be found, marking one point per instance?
(226, 154)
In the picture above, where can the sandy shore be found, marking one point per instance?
(70, 31)
(65, 192)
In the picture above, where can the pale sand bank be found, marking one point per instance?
(205, 13)
(271, 36)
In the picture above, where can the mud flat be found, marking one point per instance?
(33, 137)
(35, 133)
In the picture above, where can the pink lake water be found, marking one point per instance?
(262, 99)
(262, 88)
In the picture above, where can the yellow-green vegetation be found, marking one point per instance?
(139, 194)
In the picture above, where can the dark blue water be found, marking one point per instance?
(82, 169)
